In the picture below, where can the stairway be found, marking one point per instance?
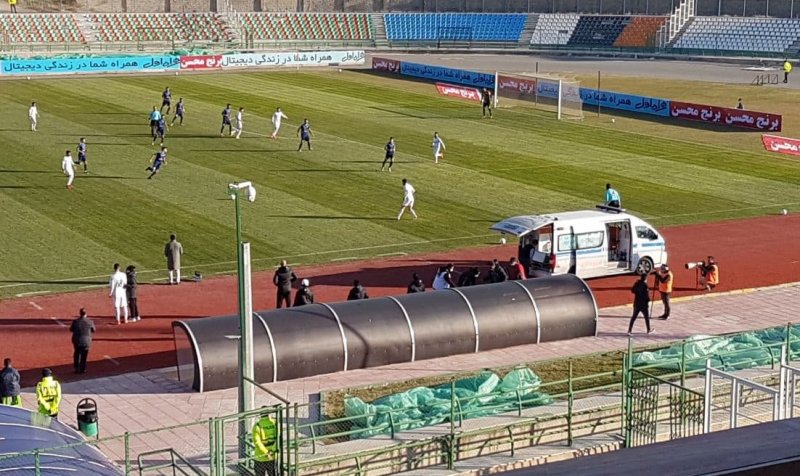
(87, 26)
(680, 32)
(379, 30)
(527, 31)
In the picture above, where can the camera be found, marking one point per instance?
(696, 264)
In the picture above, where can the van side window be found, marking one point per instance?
(645, 233)
(589, 240)
(565, 243)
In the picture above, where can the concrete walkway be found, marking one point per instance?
(153, 399)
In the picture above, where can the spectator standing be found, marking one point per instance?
(357, 292)
(9, 385)
(517, 270)
(117, 284)
(130, 292)
(304, 295)
(612, 197)
(469, 277)
(787, 68)
(283, 279)
(82, 329)
(444, 278)
(664, 281)
(496, 274)
(416, 285)
(173, 251)
(48, 394)
(641, 303)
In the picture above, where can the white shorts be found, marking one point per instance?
(408, 202)
(120, 301)
(277, 126)
(239, 125)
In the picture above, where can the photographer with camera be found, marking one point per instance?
(664, 282)
(710, 274)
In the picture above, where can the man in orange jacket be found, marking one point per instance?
(664, 283)
(710, 270)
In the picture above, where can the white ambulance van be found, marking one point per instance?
(587, 243)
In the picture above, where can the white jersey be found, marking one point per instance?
(33, 113)
(408, 194)
(117, 284)
(276, 118)
(438, 145)
(66, 165)
(239, 117)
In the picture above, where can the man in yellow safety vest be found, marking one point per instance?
(787, 68)
(265, 441)
(48, 394)
(13, 5)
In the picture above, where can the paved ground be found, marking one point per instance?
(138, 401)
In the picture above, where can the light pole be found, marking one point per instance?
(245, 298)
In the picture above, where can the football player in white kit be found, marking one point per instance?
(117, 294)
(408, 200)
(239, 122)
(276, 122)
(33, 116)
(68, 169)
(438, 147)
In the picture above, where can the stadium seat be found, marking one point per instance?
(598, 30)
(554, 29)
(308, 26)
(35, 28)
(181, 27)
(641, 32)
(454, 26)
(739, 34)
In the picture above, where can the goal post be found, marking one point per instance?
(557, 94)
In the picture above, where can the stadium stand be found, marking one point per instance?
(40, 29)
(309, 26)
(641, 32)
(747, 34)
(131, 27)
(598, 30)
(454, 26)
(554, 29)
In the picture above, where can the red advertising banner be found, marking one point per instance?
(509, 84)
(201, 62)
(781, 145)
(386, 64)
(724, 116)
(462, 92)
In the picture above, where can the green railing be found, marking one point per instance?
(309, 441)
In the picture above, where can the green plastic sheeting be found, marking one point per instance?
(734, 352)
(485, 394)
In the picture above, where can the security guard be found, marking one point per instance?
(787, 68)
(48, 394)
(9, 385)
(265, 441)
(664, 279)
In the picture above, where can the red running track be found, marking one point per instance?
(751, 253)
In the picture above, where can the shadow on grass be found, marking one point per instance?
(325, 217)
(3, 171)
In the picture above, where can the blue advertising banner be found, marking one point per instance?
(448, 75)
(625, 102)
(103, 64)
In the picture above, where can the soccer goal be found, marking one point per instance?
(560, 95)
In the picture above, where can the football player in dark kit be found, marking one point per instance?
(486, 99)
(82, 155)
(304, 131)
(159, 159)
(166, 100)
(390, 148)
(179, 110)
(226, 121)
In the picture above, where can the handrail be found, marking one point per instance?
(265, 389)
(173, 454)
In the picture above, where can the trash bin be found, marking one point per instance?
(87, 417)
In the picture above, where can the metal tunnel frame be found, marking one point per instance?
(324, 338)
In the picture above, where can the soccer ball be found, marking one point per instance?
(613, 121)
(502, 241)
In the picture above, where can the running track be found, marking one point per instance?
(751, 253)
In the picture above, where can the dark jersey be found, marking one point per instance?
(159, 160)
(226, 115)
(487, 97)
(81, 149)
(390, 148)
(167, 96)
(179, 108)
(305, 130)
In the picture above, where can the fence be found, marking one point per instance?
(640, 400)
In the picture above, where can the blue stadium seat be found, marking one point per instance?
(454, 26)
(750, 34)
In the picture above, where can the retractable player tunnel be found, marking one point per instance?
(324, 338)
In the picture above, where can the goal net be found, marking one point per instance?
(560, 95)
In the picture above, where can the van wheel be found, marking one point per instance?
(645, 266)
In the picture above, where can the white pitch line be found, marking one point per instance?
(55, 319)
(113, 360)
(396, 253)
(91, 286)
(30, 293)
(344, 259)
(38, 307)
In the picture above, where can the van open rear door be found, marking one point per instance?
(526, 228)
(521, 225)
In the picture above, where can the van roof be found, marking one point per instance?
(523, 224)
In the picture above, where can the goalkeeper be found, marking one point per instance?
(486, 99)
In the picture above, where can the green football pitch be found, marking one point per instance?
(332, 203)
